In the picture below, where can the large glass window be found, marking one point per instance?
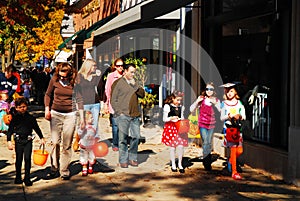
(245, 60)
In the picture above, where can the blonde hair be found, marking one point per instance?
(86, 67)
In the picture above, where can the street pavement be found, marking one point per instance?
(152, 180)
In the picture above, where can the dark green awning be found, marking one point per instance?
(83, 34)
(74, 36)
(80, 37)
(98, 24)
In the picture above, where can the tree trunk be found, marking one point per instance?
(3, 62)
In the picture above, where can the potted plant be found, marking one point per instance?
(150, 99)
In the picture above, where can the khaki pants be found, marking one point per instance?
(62, 129)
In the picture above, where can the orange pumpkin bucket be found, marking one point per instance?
(40, 156)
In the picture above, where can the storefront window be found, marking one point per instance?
(246, 60)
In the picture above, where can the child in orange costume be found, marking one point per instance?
(232, 108)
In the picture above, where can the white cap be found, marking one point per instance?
(227, 85)
(62, 56)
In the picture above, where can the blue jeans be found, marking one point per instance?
(206, 135)
(95, 109)
(115, 130)
(126, 124)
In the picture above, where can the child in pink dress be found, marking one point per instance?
(172, 112)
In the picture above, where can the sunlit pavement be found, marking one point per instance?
(151, 180)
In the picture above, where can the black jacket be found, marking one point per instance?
(23, 125)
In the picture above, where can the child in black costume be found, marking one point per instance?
(21, 127)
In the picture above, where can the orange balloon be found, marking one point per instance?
(100, 149)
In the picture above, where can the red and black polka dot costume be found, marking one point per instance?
(170, 136)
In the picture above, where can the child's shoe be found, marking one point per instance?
(181, 170)
(18, 181)
(90, 170)
(174, 170)
(84, 171)
(28, 182)
(237, 176)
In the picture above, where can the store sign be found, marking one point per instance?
(90, 8)
(126, 4)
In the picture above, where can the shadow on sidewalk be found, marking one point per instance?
(3, 164)
(144, 155)
(75, 168)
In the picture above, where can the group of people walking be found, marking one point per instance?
(72, 105)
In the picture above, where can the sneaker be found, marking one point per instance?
(2, 134)
(237, 176)
(115, 149)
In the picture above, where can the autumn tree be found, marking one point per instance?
(22, 23)
(45, 41)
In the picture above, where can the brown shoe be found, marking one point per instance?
(124, 165)
(133, 163)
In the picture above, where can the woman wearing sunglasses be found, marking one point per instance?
(61, 103)
(206, 120)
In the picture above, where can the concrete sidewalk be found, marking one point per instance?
(152, 180)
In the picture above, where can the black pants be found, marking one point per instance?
(23, 149)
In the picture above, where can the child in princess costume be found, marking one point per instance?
(86, 143)
(232, 110)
